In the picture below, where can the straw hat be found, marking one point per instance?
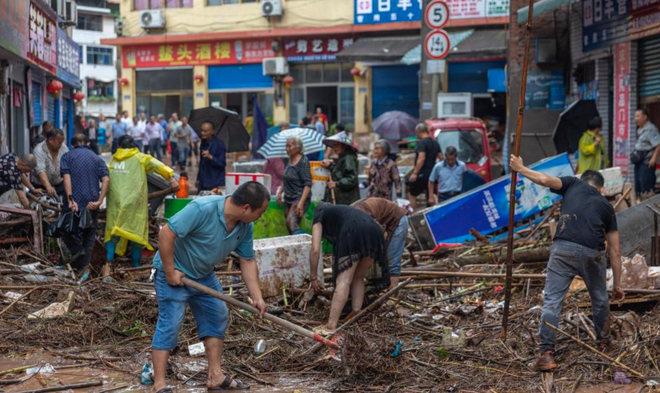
(342, 138)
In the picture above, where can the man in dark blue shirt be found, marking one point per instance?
(212, 164)
(82, 171)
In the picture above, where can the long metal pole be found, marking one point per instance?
(514, 174)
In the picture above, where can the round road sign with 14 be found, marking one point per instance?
(437, 14)
(437, 44)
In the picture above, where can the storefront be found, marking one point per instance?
(166, 80)
(319, 80)
(68, 72)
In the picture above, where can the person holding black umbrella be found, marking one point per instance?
(213, 160)
(591, 147)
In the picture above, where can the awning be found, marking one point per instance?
(467, 43)
(541, 7)
(379, 49)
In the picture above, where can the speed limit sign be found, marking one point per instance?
(437, 14)
(437, 44)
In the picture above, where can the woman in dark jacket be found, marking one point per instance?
(343, 171)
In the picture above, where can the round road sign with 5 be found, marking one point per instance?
(437, 14)
(437, 44)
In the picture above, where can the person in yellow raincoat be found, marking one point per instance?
(127, 212)
(591, 147)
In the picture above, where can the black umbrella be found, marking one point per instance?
(228, 126)
(572, 123)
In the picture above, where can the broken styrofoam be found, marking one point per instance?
(197, 349)
(12, 295)
(54, 310)
(31, 268)
(635, 274)
(45, 369)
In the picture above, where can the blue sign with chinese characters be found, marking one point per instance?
(369, 12)
(604, 22)
(68, 59)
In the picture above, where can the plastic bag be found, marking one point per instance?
(70, 223)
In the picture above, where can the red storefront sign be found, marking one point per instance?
(42, 40)
(622, 106)
(644, 18)
(197, 53)
(315, 49)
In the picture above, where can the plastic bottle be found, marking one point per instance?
(147, 377)
(184, 186)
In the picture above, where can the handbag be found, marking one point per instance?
(638, 156)
(70, 223)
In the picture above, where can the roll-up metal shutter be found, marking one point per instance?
(649, 67)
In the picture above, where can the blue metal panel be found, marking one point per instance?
(395, 88)
(471, 77)
(496, 80)
(52, 109)
(37, 109)
(246, 76)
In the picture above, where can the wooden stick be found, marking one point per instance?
(586, 327)
(431, 273)
(594, 350)
(276, 320)
(479, 236)
(623, 198)
(63, 387)
(16, 369)
(157, 194)
(514, 174)
(332, 191)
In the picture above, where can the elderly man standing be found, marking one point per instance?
(213, 160)
(83, 170)
(193, 242)
(154, 132)
(449, 174)
(48, 154)
(119, 129)
(13, 172)
(174, 129)
(645, 155)
(587, 219)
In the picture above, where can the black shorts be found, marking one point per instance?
(420, 186)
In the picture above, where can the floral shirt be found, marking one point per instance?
(382, 174)
(10, 176)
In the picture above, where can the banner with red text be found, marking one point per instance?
(622, 106)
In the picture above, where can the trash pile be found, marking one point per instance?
(439, 332)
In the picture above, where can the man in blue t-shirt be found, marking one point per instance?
(586, 221)
(193, 242)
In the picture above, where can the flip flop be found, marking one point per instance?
(321, 330)
(165, 390)
(226, 385)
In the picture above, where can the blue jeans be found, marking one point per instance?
(395, 249)
(175, 152)
(183, 155)
(568, 260)
(210, 314)
(138, 143)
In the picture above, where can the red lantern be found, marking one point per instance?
(199, 79)
(79, 96)
(288, 81)
(123, 81)
(356, 73)
(54, 87)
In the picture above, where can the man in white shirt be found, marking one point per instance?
(126, 119)
(145, 140)
(137, 132)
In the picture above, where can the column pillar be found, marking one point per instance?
(201, 90)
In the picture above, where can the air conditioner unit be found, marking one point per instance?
(152, 19)
(275, 66)
(71, 12)
(271, 8)
(59, 6)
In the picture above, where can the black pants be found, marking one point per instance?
(94, 146)
(83, 241)
(644, 179)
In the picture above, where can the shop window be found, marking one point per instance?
(99, 56)
(223, 2)
(266, 104)
(347, 105)
(297, 72)
(330, 73)
(165, 80)
(90, 22)
(346, 75)
(314, 73)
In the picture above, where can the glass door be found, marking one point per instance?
(297, 104)
(346, 106)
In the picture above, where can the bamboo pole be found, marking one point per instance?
(514, 175)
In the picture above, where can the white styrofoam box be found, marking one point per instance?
(233, 180)
(254, 166)
(283, 260)
(613, 181)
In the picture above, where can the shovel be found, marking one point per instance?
(276, 320)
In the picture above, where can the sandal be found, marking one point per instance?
(226, 385)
